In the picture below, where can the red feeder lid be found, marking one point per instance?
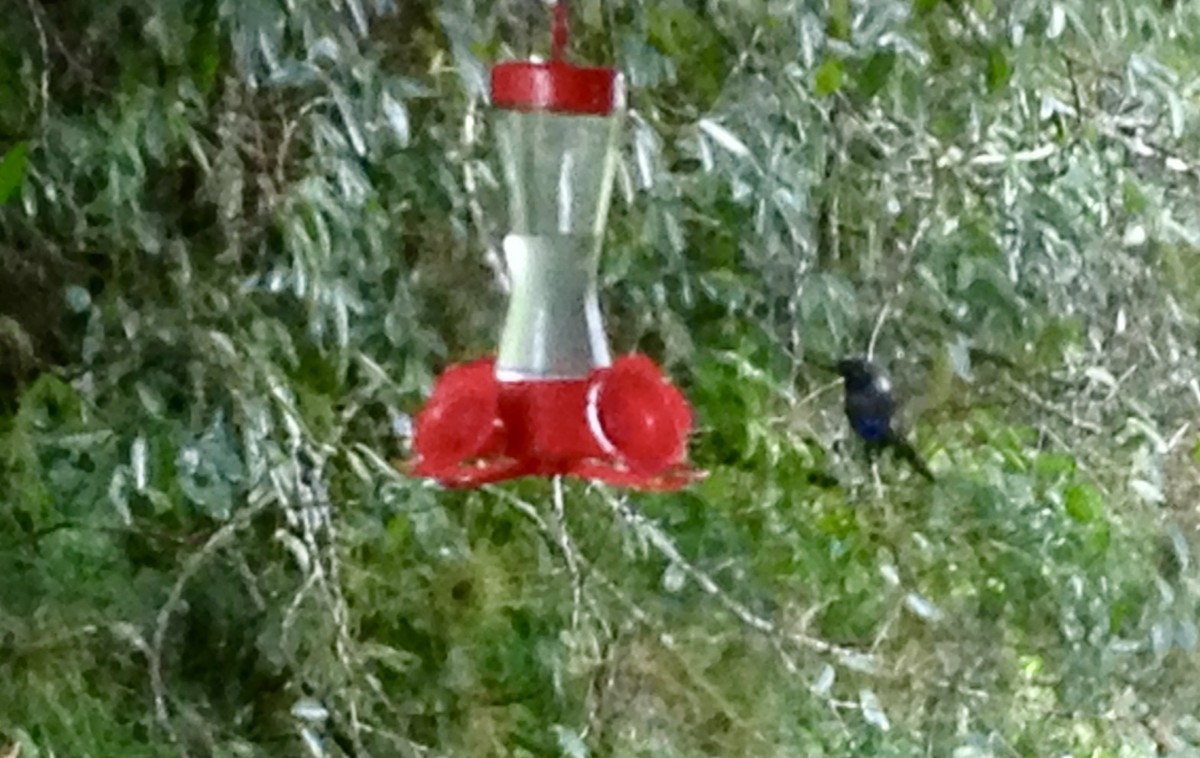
(557, 86)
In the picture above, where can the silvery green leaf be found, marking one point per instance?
(116, 495)
(571, 744)
(78, 298)
(360, 17)
(357, 466)
(297, 548)
(209, 468)
(307, 709)
(960, 357)
(397, 118)
(646, 149)
(314, 743)
(1058, 22)
(1179, 544)
(402, 425)
(1175, 110)
(1177, 165)
(724, 138)
(1186, 634)
(674, 578)
(377, 461)
(856, 661)
(921, 606)
(872, 711)
(224, 344)
(349, 118)
(707, 161)
(352, 182)
(341, 315)
(84, 441)
(1147, 491)
(324, 47)
(1161, 637)
(1101, 375)
(1135, 235)
(824, 683)
(139, 462)
(151, 400)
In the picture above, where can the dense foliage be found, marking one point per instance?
(239, 239)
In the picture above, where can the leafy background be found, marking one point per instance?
(240, 239)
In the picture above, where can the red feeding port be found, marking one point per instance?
(625, 425)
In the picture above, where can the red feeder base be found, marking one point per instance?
(624, 425)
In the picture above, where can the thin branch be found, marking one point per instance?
(493, 258)
(671, 552)
(570, 554)
(1028, 393)
(314, 510)
(44, 46)
(909, 252)
(883, 314)
(163, 622)
(558, 536)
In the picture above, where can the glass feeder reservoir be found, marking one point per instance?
(556, 129)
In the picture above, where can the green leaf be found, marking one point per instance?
(829, 77)
(1084, 503)
(999, 69)
(691, 39)
(876, 72)
(1052, 464)
(839, 19)
(921, 7)
(1132, 197)
(12, 171)
(1099, 538)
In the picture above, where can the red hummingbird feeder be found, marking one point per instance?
(553, 402)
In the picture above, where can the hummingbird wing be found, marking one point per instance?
(870, 410)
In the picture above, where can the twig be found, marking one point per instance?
(289, 133)
(668, 549)
(1178, 436)
(821, 390)
(909, 251)
(163, 622)
(558, 536)
(35, 11)
(1046, 405)
(243, 567)
(492, 257)
(883, 314)
(1080, 461)
(72, 637)
(570, 554)
(314, 511)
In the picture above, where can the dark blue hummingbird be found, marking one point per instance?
(870, 407)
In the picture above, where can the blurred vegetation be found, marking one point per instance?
(239, 239)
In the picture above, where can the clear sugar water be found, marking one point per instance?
(553, 327)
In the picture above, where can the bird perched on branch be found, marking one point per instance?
(870, 407)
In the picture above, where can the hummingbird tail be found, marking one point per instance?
(906, 451)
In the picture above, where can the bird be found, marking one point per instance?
(870, 407)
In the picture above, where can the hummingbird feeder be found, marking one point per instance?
(553, 402)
